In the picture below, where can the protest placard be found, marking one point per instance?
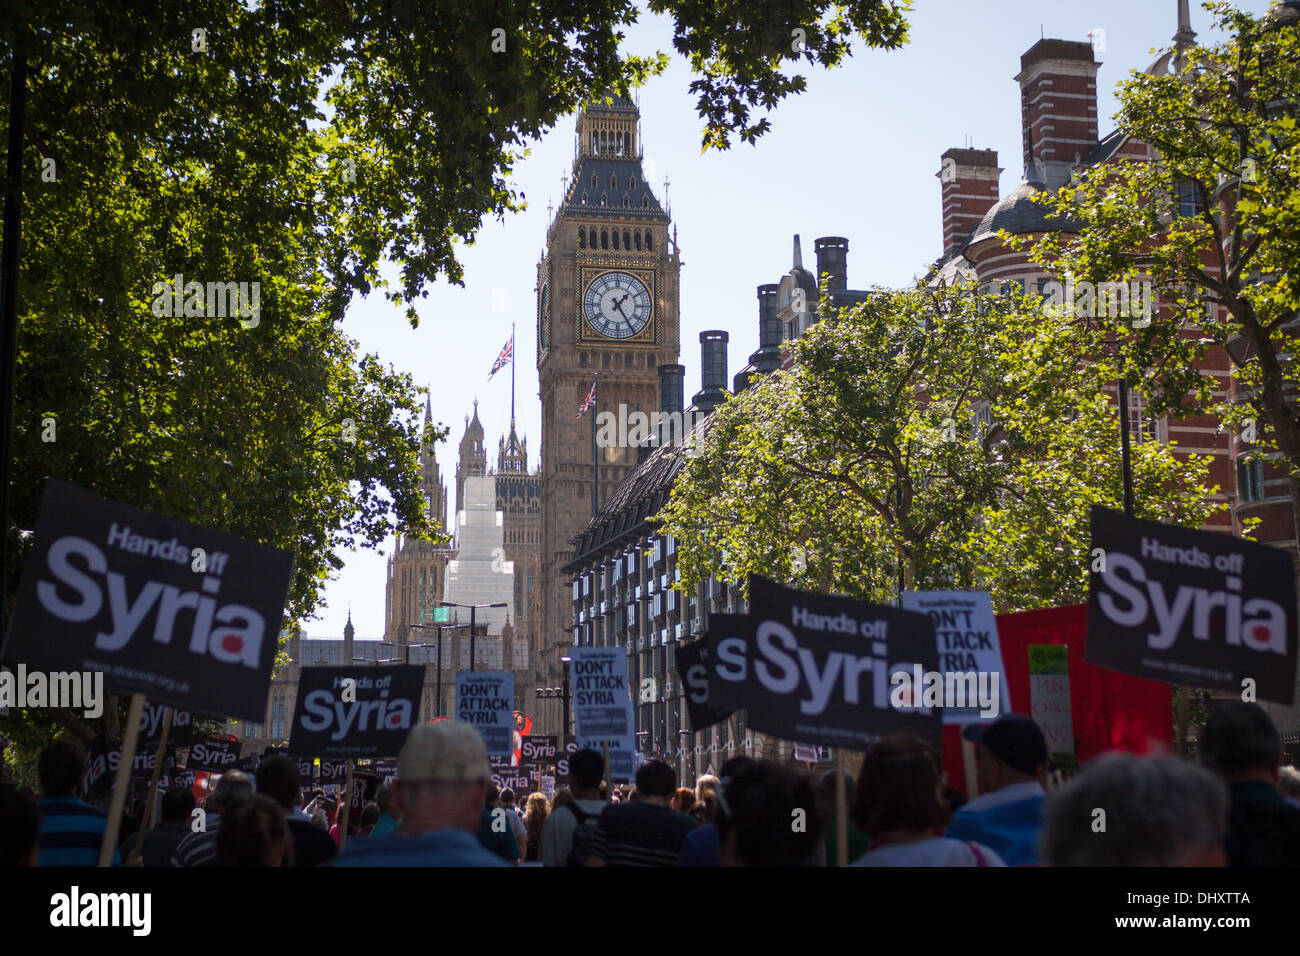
(485, 701)
(1049, 697)
(970, 657)
(1191, 607)
(355, 711)
(602, 707)
(214, 754)
(830, 670)
(186, 615)
(693, 672)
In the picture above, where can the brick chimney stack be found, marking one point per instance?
(968, 184)
(1058, 108)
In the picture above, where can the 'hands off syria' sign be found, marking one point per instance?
(183, 614)
(1191, 607)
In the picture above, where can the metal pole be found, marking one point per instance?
(439, 674)
(472, 633)
(1124, 447)
(566, 700)
(595, 460)
(13, 217)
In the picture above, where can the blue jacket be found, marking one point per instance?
(1009, 827)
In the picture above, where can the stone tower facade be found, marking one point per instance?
(607, 307)
(416, 568)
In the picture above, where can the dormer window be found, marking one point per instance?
(631, 182)
(594, 181)
(604, 199)
(645, 202)
(627, 203)
(613, 181)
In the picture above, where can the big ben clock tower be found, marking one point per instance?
(607, 290)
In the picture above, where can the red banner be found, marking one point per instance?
(1110, 710)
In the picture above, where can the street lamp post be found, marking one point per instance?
(472, 609)
(438, 666)
(561, 694)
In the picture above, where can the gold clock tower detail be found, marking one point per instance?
(607, 293)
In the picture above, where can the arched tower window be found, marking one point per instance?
(626, 238)
(636, 238)
(604, 199)
(591, 238)
(613, 240)
(582, 239)
(627, 203)
(645, 202)
(604, 239)
(594, 181)
(649, 243)
(613, 181)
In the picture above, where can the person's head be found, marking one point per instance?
(586, 770)
(655, 781)
(178, 806)
(683, 799)
(233, 788)
(370, 814)
(254, 833)
(1123, 810)
(442, 778)
(1239, 742)
(1288, 782)
(491, 796)
(563, 797)
(278, 778)
(507, 798)
(536, 806)
(59, 768)
(1010, 750)
(758, 809)
(705, 784)
(706, 810)
(898, 790)
(20, 822)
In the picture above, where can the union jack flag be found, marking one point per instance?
(505, 358)
(589, 401)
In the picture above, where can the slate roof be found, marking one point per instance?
(636, 499)
(1019, 214)
(603, 167)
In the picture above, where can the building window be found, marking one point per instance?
(631, 182)
(591, 241)
(604, 199)
(649, 243)
(582, 239)
(1187, 194)
(604, 360)
(627, 203)
(604, 239)
(594, 181)
(1250, 479)
(278, 714)
(613, 181)
(636, 237)
(613, 240)
(626, 243)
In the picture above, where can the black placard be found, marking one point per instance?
(1191, 607)
(516, 778)
(333, 771)
(819, 667)
(693, 672)
(723, 694)
(214, 755)
(374, 723)
(102, 759)
(538, 748)
(109, 587)
(152, 717)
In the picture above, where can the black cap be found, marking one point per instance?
(1014, 739)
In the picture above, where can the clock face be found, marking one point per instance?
(617, 305)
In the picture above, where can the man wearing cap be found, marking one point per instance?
(442, 779)
(1011, 758)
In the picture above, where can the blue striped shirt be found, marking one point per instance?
(71, 832)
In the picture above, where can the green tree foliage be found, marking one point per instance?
(1214, 220)
(872, 457)
(301, 145)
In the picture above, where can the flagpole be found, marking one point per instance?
(512, 376)
(595, 462)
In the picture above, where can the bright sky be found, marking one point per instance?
(856, 155)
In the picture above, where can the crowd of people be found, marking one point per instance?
(1238, 805)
